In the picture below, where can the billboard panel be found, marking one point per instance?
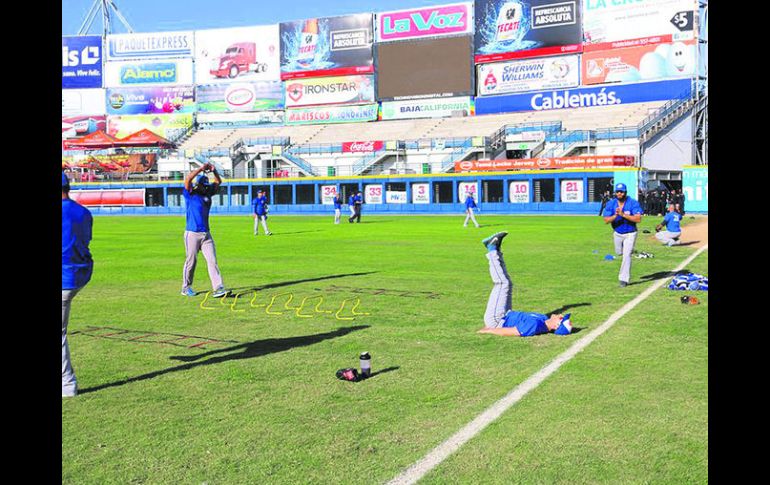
(331, 114)
(168, 126)
(421, 193)
(695, 185)
(329, 90)
(81, 62)
(261, 118)
(240, 54)
(362, 146)
(510, 29)
(585, 97)
(415, 23)
(235, 97)
(82, 125)
(327, 46)
(426, 108)
(82, 102)
(529, 75)
(412, 69)
(518, 192)
(643, 63)
(373, 193)
(109, 197)
(150, 100)
(583, 162)
(571, 191)
(150, 45)
(610, 25)
(148, 72)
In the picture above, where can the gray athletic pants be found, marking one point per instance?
(258, 218)
(69, 385)
(337, 216)
(500, 298)
(200, 241)
(470, 216)
(624, 244)
(667, 237)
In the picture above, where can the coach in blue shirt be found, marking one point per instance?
(259, 209)
(337, 208)
(76, 268)
(470, 204)
(197, 236)
(670, 236)
(624, 213)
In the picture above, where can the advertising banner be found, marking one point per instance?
(583, 161)
(362, 146)
(695, 184)
(109, 197)
(644, 63)
(259, 118)
(81, 62)
(81, 125)
(467, 188)
(150, 100)
(83, 102)
(327, 46)
(240, 54)
(420, 193)
(253, 96)
(135, 162)
(426, 108)
(150, 45)
(328, 192)
(613, 24)
(331, 114)
(329, 90)
(511, 29)
(148, 72)
(571, 191)
(395, 197)
(169, 126)
(518, 192)
(528, 75)
(584, 97)
(373, 194)
(417, 23)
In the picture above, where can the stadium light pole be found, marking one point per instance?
(107, 7)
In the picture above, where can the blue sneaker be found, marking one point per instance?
(188, 292)
(494, 241)
(219, 292)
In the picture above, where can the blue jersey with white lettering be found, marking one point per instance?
(198, 207)
(352, 200)
(76, 262)
(258, 205)
(470, 203)
(337, 203)
(630, 207)
(671, 220)
(528, 324)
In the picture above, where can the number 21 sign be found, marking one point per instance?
(572, 191)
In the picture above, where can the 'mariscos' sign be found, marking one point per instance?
(425, 22)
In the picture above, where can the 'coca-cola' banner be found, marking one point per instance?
(362, 146)
(546, 163)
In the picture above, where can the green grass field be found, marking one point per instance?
(258, 401)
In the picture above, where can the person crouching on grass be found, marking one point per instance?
(499, 319)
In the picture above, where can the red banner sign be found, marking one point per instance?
(113, 198)
(362, 146)
(546, 163)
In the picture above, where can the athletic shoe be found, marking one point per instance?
(269, 233)
(219, 292)
(70, 393)
(188, 292)
(623, 284)
(494, 241)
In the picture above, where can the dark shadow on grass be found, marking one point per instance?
(565, 308)
(234, 291)
(247, 350)
(688, 243)
(657, 276)
(383, 371)
(287, 233)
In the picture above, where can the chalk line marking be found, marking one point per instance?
(453, 443)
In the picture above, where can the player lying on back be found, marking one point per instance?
(499, 319)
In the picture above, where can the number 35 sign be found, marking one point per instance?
(572, 191)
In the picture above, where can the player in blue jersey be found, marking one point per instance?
(624, 213)
(470, 204)
(260, 210)
(499, 319)
(76, 269)
(197, 194)
(671, 221)
(352, 205)
(358, 200)
(337, 208)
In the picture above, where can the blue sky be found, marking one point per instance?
(166, 15)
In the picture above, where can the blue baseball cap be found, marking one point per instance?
(566, 326)
(64, 180)
(621, 187)
(201, 180)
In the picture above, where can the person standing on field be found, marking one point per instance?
(259, 207)
(197, 194)
(358, 200)
(337, 208)
(470, 204)
(624, 213)
(352, 205)
(76, 268)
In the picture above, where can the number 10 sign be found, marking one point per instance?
(519, 192)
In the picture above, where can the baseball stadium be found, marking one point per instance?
(408, 242)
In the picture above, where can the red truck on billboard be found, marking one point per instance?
(238, 58)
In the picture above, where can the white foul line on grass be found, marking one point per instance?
(444, 450)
